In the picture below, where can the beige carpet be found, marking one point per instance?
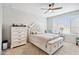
(30, 49)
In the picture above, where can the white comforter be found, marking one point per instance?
(46, 36)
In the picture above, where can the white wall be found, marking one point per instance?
(21, 14)
(0, 26)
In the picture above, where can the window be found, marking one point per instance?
(61, 23)
(68, 23)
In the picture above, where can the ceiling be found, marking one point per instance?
(35, 8)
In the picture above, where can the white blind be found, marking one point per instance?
(75, 24)
(70, 23)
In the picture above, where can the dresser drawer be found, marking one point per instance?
(19, 35)
(20, 39)
(15, 29)
(19, 32)
(18, 43)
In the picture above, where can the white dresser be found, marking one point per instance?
(18, 36)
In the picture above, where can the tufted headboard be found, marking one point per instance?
(35, 29)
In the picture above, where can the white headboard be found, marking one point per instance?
(35, 28)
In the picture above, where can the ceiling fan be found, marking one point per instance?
(51, 7)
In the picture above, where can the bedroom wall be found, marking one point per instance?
(13, 13)
(0, 26)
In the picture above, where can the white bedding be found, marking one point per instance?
(41, 40)
(46, 36)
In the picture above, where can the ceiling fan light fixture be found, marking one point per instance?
(49, 5)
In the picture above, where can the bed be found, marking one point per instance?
(47, 42)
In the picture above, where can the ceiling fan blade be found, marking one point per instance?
(57, 8)
(52, 4)
(44, 8)
(46, 11)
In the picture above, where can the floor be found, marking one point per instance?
(30, 49)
